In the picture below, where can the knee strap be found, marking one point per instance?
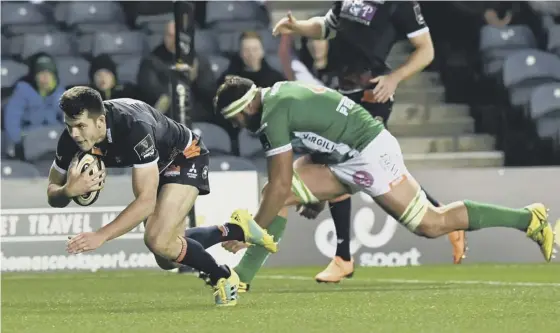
(414, 213)
(301, 190)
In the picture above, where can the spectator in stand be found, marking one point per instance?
(34, 102)
(103, 78)
(154, 77)
(250, 62)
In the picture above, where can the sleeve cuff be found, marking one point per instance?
(279, 150)
(59, 169)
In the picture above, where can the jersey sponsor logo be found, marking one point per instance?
(366, 243)
(358, 11)
(205, 172)
(418, 14)
(146, 147)
(192, 173)
(172, 171)
(362, 178)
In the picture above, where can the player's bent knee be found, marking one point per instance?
(165, 264)
(159, 243)
(429, 229)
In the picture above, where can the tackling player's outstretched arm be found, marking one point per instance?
(319, 27)
(278, 188)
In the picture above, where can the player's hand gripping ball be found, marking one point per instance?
(86, 160)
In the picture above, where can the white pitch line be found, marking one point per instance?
(407, 281)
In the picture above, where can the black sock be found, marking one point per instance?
(208, 236)
(341, 213)
(197, 258)
(431, 199)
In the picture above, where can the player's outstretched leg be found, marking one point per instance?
(457, 238)
(164, 238)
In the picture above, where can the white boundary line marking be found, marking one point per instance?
(413, 281)
(72, 275)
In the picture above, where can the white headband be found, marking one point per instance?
(238, 105)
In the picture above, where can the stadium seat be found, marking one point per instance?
(498, 43)
(214, 137)
(230, 163)
(219, 11)
(128, 69)
(545, 109)
(248, 25)
(11, 72)
(80, 12)
(141, 20)
(44, 166)
(41, 141)
(12, 169)
(22, 13)
(554, 39)
(22, 29)
(249, 145)
(72, 71)
(5, 49)
(155, 28)
(91, 28)
(527, 69)
(129, 42)
(218, 64)
(55, 44)
(154, 41)
(205, 42)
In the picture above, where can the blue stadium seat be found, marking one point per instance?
(41, 141)
(13, 169)
(91, 28)
(154, 24)
(218, 11)
(249, 145)
(72, 71)
(55, 44)
(496, 44)
(231, 163)
(11, 72)
(527, 69)
(22, 13)
(218, 64)
(554, 39)
(545, 110)
(129, 42)
(22, 29)
(205, 42)
(128, 69)
(214, 137)
(80, 12)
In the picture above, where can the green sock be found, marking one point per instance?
(487, 216)
(255, 256)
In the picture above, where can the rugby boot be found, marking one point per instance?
(336, 271)
(458, 241)
(540, 230)
(243, 287)
(225, 290)
(254, 234)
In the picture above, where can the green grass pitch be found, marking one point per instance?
(466, 298)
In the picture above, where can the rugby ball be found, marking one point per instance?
(85, 160)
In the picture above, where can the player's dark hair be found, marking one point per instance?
(233, 88)
(76, 100)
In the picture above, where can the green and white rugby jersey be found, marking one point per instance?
(314, 119)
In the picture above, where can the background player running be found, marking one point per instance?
(357, 154)
(128, 132)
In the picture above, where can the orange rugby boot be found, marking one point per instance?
(458, 241)
(336, 271)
